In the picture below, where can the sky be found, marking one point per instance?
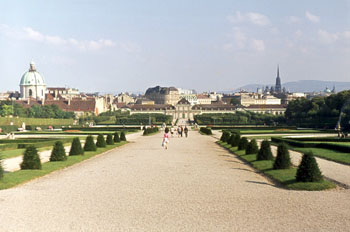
(207, 45)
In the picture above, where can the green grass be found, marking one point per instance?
(35, 121)
(284, 177)
(19, 177)
(336, 156)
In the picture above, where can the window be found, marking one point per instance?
(30, 93)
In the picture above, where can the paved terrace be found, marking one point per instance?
(194, 186)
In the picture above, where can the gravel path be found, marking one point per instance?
(194, 186)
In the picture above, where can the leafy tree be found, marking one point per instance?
(235, 101)
(282, 160)
(76, 148)
(101, 142)
(308, 170)
(265, 151)
(252, 147)
(109, 140)
(122, 136)
(116, 137)
(31, 159)
(243, 143)
(90, 144)
(58, 152)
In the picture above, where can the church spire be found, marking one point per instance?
(278, 86)
(278, 71)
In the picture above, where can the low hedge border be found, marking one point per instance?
(281, 177)
(12, 179)
(295, 143)
(150, 131)
(205, 130)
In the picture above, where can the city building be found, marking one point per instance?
(32, 84)
(163, 95)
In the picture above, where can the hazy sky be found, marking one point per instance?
(114, 46)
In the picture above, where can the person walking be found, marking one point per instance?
(172, 131)
(178, 131)
(182, 130)
(186, 131)
(166, 138)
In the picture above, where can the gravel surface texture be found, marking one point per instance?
(195, 185)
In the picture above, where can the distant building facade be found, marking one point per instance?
(163, 95)
(32, 84)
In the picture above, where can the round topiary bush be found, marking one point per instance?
(252, 147)
(31, 159)
(76, 148)
(265, 151)
(101, 142)
(116, 137)
(308, 170)
(90, 144)
(282, 160)
(122, 136)
(58, 153)
(243, 143)
(109, 139)
(235, 140)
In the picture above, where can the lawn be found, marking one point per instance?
(340, 157)
(4, 121)
(19, 177)
(284, 177)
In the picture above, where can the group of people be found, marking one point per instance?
(179, 131)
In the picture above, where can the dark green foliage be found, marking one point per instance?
(109, 139)
(225, 136)
(31, 159)
(58, 153)
(243, 143)
(76, 148)
(283, 159)
(150, 130)
(144, 119)
(230, 139)
(206, 130)
(235, 140)
(116, 138)
(265, 151)
(1, 170)
(252, 147)
(90, 144)
(101, 142)
(308, 170)
(122, 136)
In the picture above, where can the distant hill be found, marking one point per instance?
(301, 86)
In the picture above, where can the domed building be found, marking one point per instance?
(32, 84)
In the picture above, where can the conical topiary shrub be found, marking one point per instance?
(101, 142)
(90, 144)
(308, 170)
(109, 139)
(230, 139)
(116, 137)
(235, 140)
(76, 148)
(122, 136)
(282, 160)
(31, 159)
(265, 151)
(252, 147)
(225, 136)
(243, 143)
(58, 153)
(1, 170)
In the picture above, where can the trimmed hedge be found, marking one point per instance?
(101, 142)
(265, 151)
(122, 136)
(225, 136)
(1, 170)
(252, 147)
(90, 144)
(282, 160)
(206, 130)
(150, 130)
(243, 143)
(294, 143)
(308, 170)
(31, 159)
(58, 152)
(116, 138)
(76, 148)
(109, 139)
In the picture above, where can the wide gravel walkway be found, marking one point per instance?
(194, 186)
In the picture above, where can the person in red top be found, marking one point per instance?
(166, 138)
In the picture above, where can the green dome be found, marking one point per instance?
(32, 77)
